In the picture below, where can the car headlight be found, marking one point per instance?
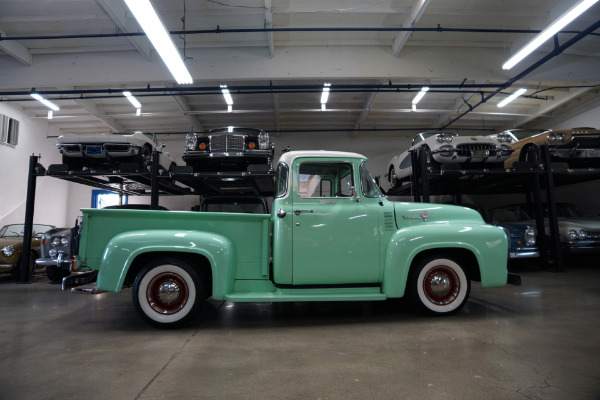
(530, 237)
(582, 234)
(573, 235)
(55, 241)
(52, 253)
(8, 251)
(263, 140)
(551, 137)
(191, 141)
(64, 241)
(560, 137)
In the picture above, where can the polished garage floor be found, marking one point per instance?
(537, 341)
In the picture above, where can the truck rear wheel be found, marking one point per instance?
(168, 292)
(439, 285)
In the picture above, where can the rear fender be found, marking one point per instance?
(123, 248)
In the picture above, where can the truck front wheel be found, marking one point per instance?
(439, 286)
(167, 293)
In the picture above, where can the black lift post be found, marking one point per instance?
(28, 226)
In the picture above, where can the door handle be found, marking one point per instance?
(297, 212)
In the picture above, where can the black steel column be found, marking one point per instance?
(154, 182)
(539, 219)
(552, 212)
(414, 176)
(424, 176)
(28, 234)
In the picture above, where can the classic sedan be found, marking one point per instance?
(103, 150)
(578, 147)
(229, 149)
(11, 247)
(443, 148)
(522, 237)
(578, 233)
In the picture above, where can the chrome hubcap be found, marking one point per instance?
(441, 285)
(169, 292)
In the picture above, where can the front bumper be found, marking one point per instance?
(582, 247)
(460, 156)
(58, 262)
(523, 253)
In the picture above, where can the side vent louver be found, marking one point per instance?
(388, 221)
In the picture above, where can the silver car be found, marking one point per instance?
(450, 148)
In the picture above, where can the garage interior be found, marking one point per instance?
(276, 58)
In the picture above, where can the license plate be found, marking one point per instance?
(480, 153)
(93, 150)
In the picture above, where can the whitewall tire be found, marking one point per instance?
(439, 286)
(168, 293)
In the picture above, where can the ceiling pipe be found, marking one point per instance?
(557, 50)
(268, 30)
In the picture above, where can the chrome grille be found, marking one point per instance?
(466, 149)
(226, 143)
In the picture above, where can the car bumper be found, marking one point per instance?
(567, 154)
(200, 155)
(58, 262)
(475, 157)
(523, 253)
(106, 150)
(582, 247)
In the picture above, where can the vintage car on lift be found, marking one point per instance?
(578, 233)
(11, 247)
(229, 149)
(110, 151)
(450, 148)
(578, 147)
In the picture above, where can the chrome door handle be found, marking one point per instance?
(297, 212)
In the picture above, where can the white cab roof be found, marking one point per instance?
(291, 155)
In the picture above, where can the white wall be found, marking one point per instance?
(51, 194)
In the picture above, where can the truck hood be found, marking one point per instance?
(418, 213)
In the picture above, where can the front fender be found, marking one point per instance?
(123, 248)
(487, 243)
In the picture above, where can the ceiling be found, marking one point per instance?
(275, 56)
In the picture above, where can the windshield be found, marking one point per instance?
(18, 230)
(367, 182)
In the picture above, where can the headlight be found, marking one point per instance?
(551, 137)
(64, 241)
(582, 234)
(573, 235)
(191, 141)
(8, 251)
(52, 253)
(530, 237)
(560, 137)
(55, 241)
(263, 140)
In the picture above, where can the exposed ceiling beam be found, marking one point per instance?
(101, 115)
(117, 11)
(269, 24)
(15, 49)
(415, 14)
(366, 108)
(185, 107)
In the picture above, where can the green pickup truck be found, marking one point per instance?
(331, 236)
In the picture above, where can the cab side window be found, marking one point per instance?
(325, 179)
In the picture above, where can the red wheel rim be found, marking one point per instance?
(167, 293)
(441, 285)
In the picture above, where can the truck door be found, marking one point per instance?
(335, 237)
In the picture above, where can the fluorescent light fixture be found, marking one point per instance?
(229, 108)
(138, 111)
(579, 8)
(161, 40)
(323, 107)
(45, 102)
(420, 95)
(50, 114)
(511, 98)
(325, 93)
(227, 95)
(132, 99)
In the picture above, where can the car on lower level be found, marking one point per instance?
(579, 233)
(450, 148)
(111, 151)
(229, 149)
(11, 247)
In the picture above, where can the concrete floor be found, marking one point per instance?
(537, 341)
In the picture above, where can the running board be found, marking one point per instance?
(346, 294)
